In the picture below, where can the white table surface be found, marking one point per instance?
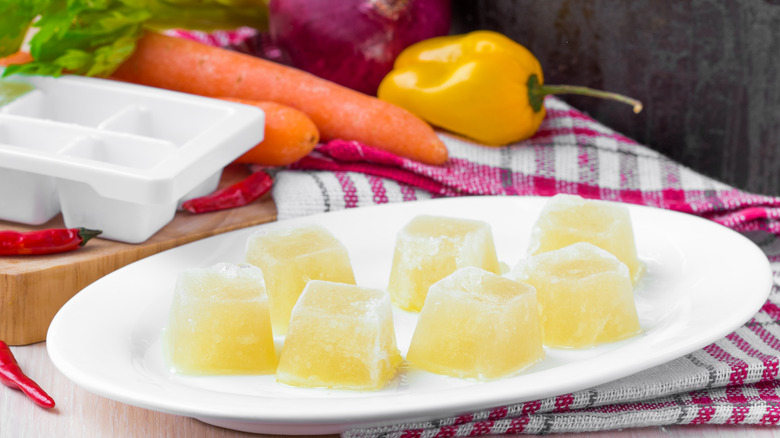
(81, 414)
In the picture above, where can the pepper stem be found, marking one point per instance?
(536, 93)
(87, 234)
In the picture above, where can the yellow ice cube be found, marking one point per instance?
(291, 257)
(429, 248)
(340, 336)
(219, 322)
(477, 325)
(566, 219)
(585, 296)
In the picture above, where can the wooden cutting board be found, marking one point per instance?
(34, 288)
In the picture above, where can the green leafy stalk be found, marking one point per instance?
(15, 19)
(93, 37)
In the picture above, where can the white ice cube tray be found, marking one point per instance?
(114, 156)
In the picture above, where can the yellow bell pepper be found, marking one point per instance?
(482, 85)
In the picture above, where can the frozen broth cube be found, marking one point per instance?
(567, 219)
(340, 336)
(291, 257)
(477, 325)
(429, 248)
(219, 322)
(585, 296)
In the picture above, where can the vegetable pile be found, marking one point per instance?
(377, 72)
(118, 39)
(114, 38)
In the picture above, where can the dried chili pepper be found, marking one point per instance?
(236, 195)
(47, 241)
(11, 375)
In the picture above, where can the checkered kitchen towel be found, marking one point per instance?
(570, 153)
(733, 381)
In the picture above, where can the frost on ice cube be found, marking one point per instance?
(291, 257)
(219, 322)
(340, 336)
(429, 248)
(585, 296)
(477, 325)
(567, 219)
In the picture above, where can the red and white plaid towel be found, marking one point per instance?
(733, 381)
(571, 153)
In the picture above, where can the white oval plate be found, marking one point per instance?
(703, 281)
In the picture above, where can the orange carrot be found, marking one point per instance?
(192, 67)
(289, 135)
(16, 58)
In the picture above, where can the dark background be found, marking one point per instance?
(707, 72)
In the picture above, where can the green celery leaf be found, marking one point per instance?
(15, 19)
(33, 68)
(93, 37)
(75, 60)
(97, 38)
(52, 27)
(108, 58)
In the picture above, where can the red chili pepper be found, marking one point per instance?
(44, 241)
(236, 195)
(13, 377)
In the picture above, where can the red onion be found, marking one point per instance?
(353, 42)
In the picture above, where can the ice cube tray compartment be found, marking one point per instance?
(119, 151)
(133, 113)
(164, 123)
(113, 156)
(27, 197)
